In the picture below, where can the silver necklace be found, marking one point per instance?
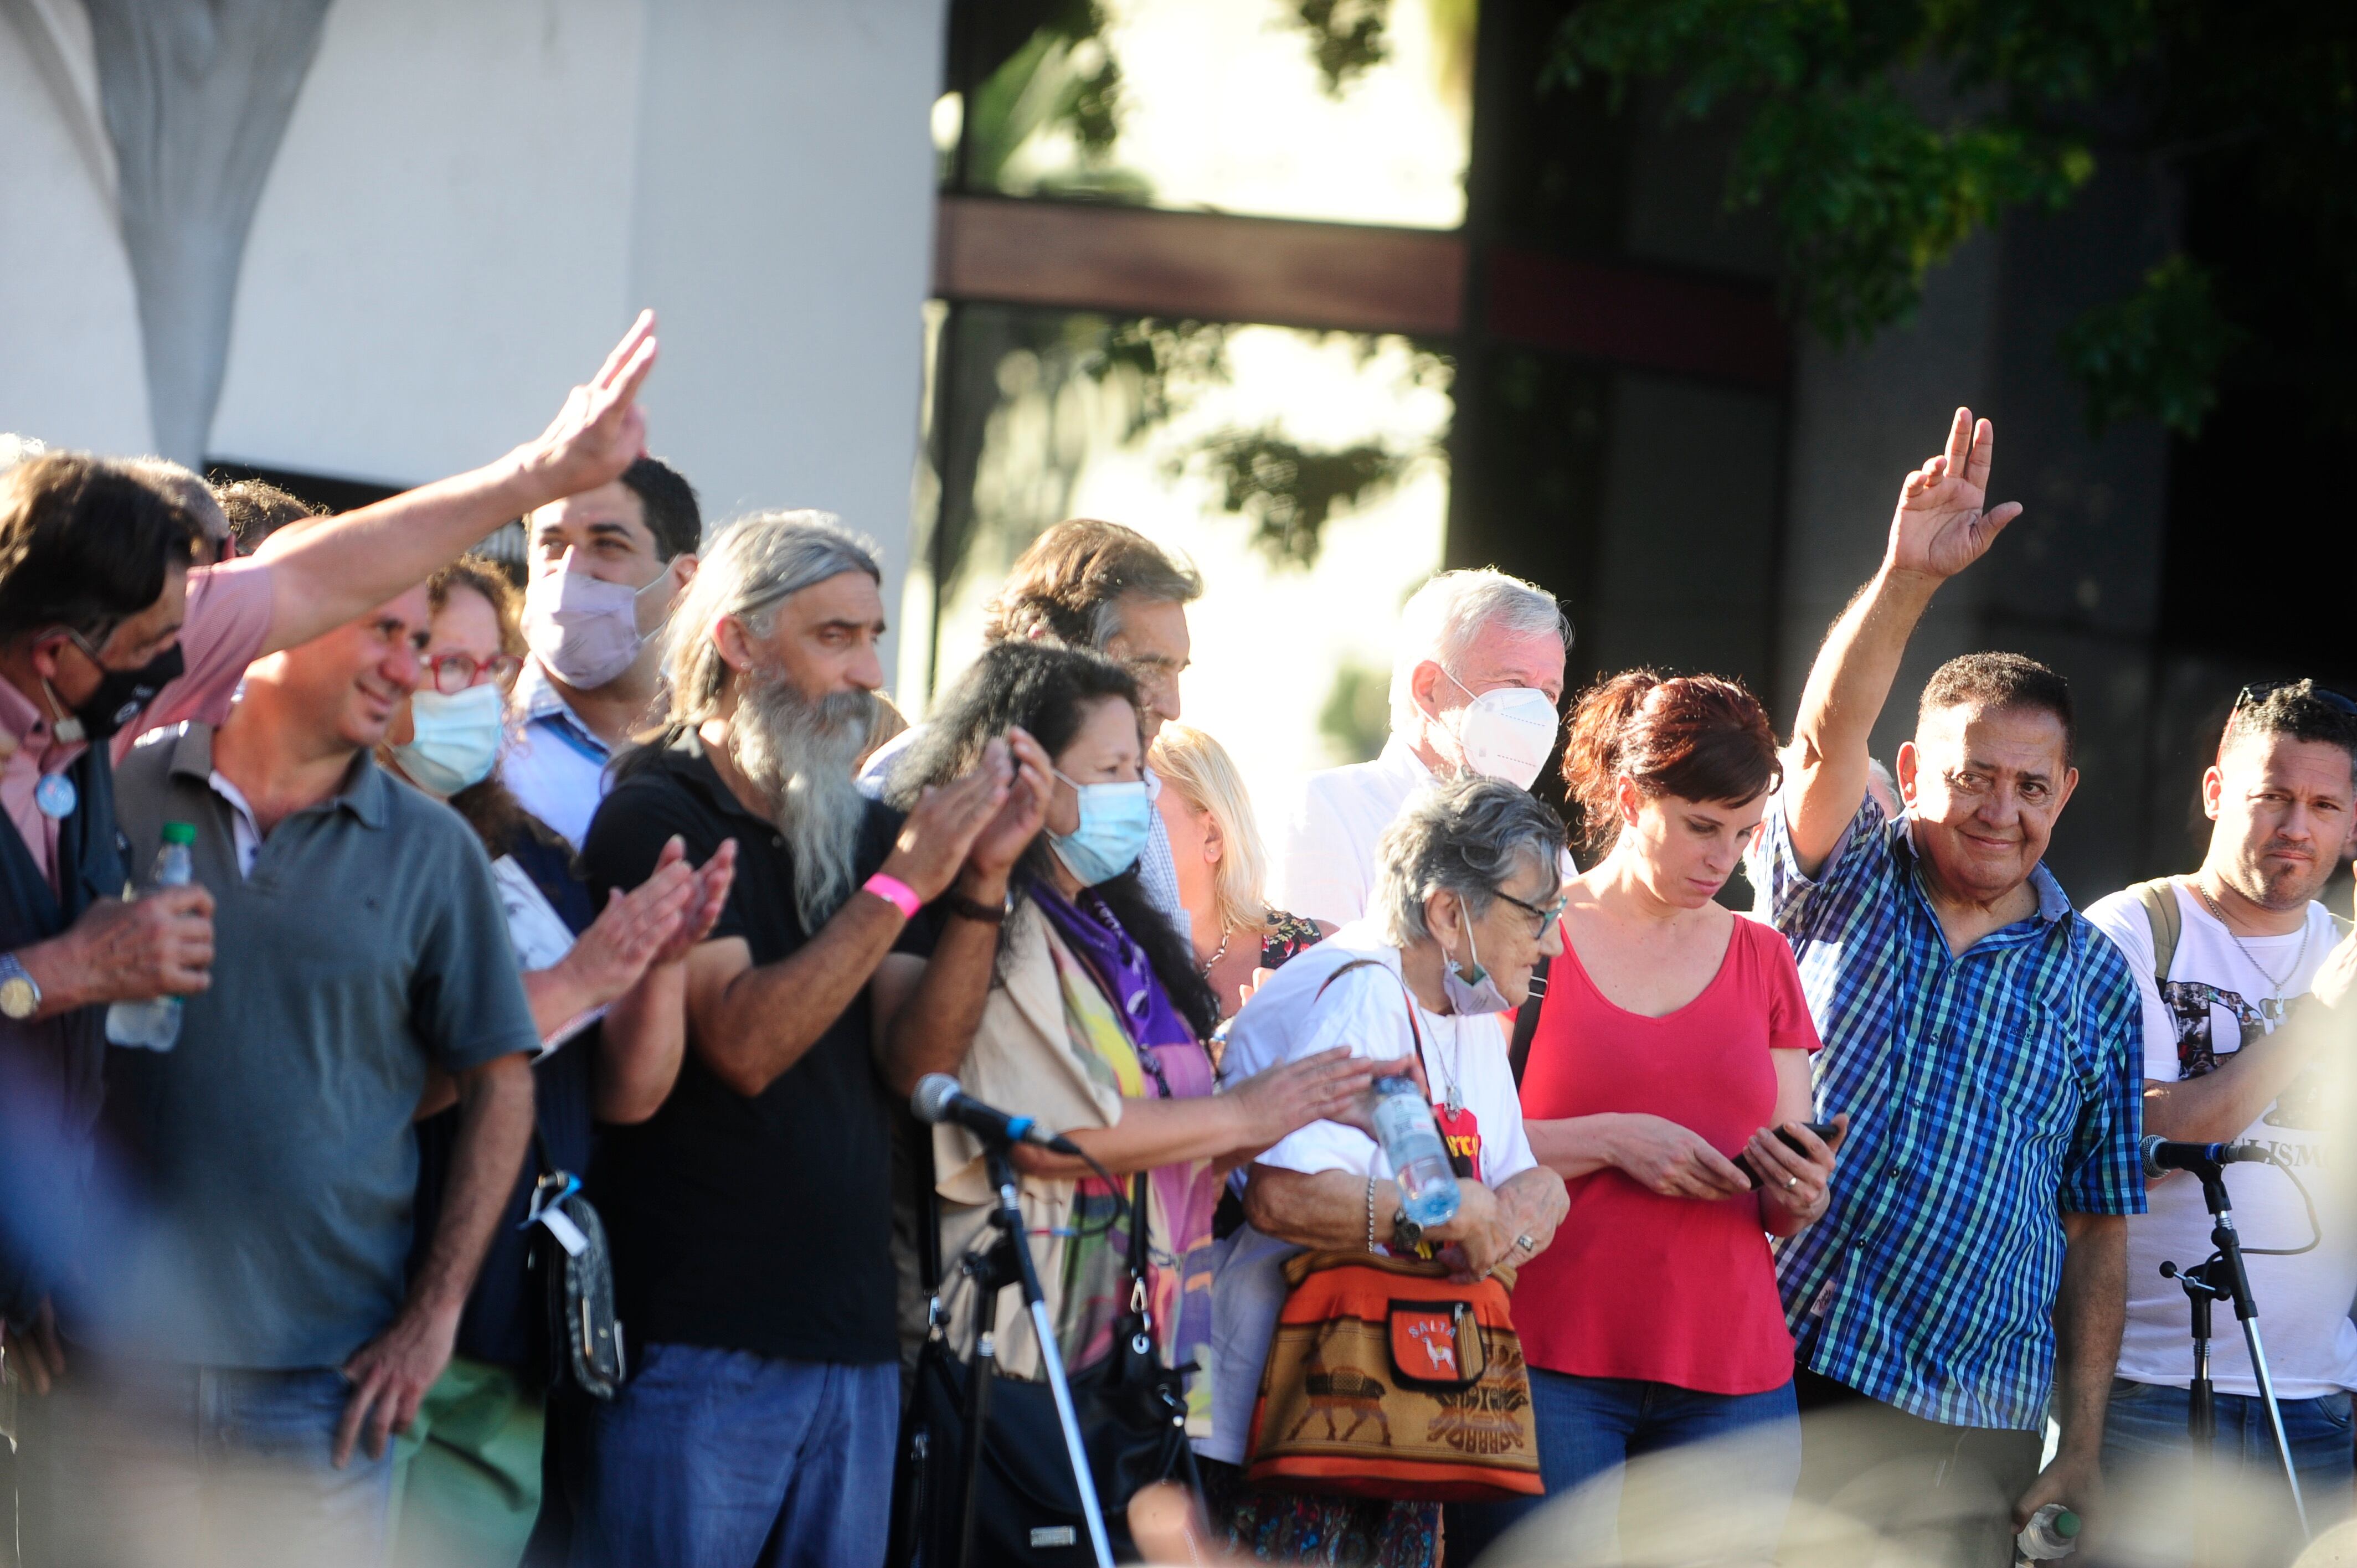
(1217, 953)
(1450, 1078)
(2275, 1009)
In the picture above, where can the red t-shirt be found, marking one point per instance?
(1669, 1290)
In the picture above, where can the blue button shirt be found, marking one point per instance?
(1988, 1091)
(555, 763)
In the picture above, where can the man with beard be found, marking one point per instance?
(2218, 958)
(751, 1216)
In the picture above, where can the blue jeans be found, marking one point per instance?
(1589, 1428)
(724, 1459)
(147, 1462)
(2145, 1424)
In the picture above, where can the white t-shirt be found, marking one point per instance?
(1287, 1019)
(1323, 865)
(2212, 993)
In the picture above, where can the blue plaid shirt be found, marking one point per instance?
(1988, 1092)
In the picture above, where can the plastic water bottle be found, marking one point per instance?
(2053, 1532)
(156, 1024)
(1403, 1126)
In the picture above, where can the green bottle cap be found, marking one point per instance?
(179, 832)
(2066, 1524)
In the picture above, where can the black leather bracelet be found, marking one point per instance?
(975, 909)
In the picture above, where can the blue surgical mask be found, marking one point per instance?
(456, 740)
(1116, 821)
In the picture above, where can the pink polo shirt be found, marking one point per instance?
(228, 616)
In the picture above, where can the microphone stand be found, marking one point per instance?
(2223, 1278)
(1007, 1261)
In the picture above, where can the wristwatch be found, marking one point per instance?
(20, 997)
(1407, 1234)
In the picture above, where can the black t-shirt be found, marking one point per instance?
(762, 1224)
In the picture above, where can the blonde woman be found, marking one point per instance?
(1223, 866)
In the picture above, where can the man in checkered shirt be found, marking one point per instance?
(1986, 1041)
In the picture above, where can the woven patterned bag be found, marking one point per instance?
(1386, 1379)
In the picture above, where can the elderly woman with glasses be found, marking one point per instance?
(478, 1433)
(1466, 900)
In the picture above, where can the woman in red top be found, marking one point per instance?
(1673, 1035)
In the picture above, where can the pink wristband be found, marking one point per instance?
(895, 892)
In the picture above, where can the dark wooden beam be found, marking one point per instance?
(1720, 328)
(1216, 266)
(1207, 265)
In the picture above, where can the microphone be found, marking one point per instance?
(939, 1099)
(2160, 1155)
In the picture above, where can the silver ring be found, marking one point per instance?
(1791, 1182)
(1526, 1243)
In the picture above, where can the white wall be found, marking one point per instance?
(70, 366)
(473, 199)
(443, 245)
(784, 221)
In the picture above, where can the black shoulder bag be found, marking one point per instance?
(584, 1337)
(1132, 1415)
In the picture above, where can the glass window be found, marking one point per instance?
(1355, 111)
(1302, 473)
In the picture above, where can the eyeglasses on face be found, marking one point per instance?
(455, 673)
(1547, 915)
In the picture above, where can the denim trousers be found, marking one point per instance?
(140, 1462)
(2145, 1436)
(1589, 1428)
(716, 1458)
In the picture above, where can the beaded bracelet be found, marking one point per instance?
(1370, 1215)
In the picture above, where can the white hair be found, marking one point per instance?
(1444, 618)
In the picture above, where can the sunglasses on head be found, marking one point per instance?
(2258, 691)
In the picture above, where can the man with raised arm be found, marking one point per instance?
(1985, 1040)
(108, 629)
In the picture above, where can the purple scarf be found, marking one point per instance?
(1121, 967)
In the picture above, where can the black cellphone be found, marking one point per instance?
(1824, 1130)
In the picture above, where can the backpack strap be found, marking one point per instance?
(2159, 898)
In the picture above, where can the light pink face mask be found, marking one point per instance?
(583, 629)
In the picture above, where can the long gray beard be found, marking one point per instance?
(800, 756)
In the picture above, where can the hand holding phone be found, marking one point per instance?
(1825, 1131)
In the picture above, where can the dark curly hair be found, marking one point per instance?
(1050, 692)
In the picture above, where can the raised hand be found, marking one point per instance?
(1940, 527)
(1007, 835)
(600, 430)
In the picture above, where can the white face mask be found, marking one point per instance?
(583, 629)
(1507, 733)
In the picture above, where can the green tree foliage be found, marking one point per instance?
(1881, 134)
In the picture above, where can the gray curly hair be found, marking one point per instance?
(1467, 834)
